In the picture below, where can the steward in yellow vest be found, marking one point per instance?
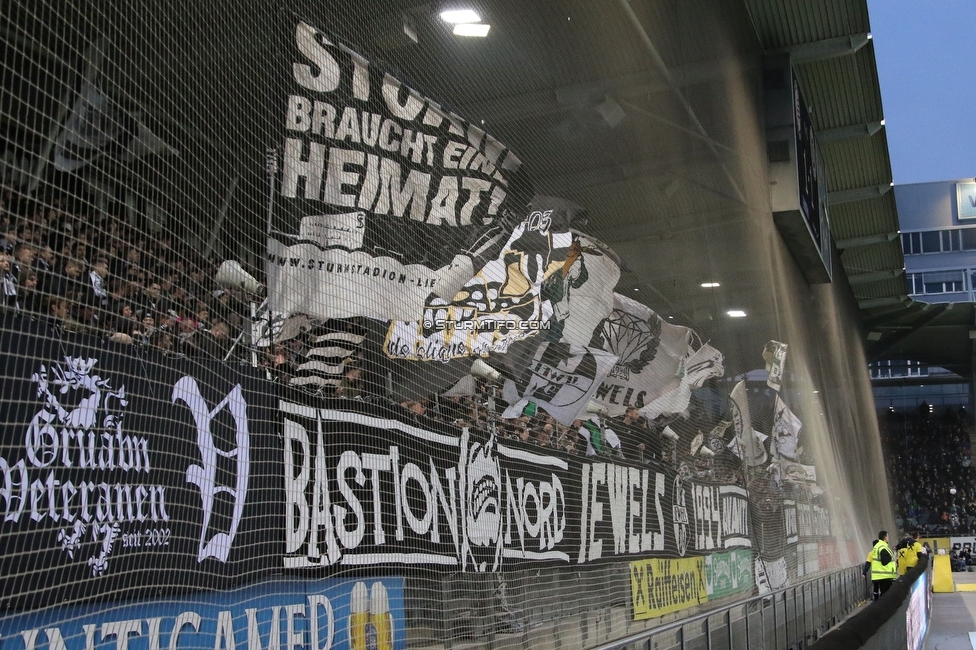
(908, 552)
(884, 569)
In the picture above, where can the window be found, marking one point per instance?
(914, 283)
(898, 368)
(951, 240)
(911, 243)
(936, 282)
(938, 241)
(940, 282)
(943, 287)
(932, 242)
(969, 239)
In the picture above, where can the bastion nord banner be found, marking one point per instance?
(125, 473)
(364, 487)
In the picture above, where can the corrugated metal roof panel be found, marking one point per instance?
(781, 23)
(858, 162)
(886, 256)
(843, 90)
(893, 287)
(863, 218)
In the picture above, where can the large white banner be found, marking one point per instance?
(307, 278)
(500, 305)
(384, 198)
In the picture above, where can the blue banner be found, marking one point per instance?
(280, 614)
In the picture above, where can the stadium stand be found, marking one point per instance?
(927, 458)
(325, 327)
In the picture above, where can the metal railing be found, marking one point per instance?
(787, 619)
(906, 627)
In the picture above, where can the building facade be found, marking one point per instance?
(938, 235)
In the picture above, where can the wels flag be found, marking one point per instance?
(654, 358)
(561, 379)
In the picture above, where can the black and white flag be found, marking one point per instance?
(98, 127)
(581, 290)
(499, 306)
(798, 473)
(332, 354)
(561, 379)
(659, 363)
(385, 197)
(774, 355)
(746, 444)
(786, 431)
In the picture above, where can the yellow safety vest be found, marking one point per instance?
(913, 552)
(882, 571)
(908, 557)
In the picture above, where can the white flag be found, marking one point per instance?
(466, 386)
(786, 431)
(736, 447)
(655, 358)
(702, 364)
(561, 379)
(581, 291)
(775, 356)
(751, 450)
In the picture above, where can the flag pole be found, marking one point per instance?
(272, 168)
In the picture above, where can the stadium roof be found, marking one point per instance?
(830, 43)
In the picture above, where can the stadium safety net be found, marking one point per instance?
(366, 325)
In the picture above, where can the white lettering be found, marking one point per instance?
(327, 78)
(296, 507)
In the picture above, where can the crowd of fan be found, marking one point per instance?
(629, 432)
(928, 458)
(628, 436)
(64, 263)
(67, 264)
